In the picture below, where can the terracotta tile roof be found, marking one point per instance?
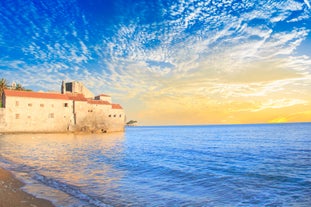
(90, 101)
(116, 106)
(31, 94)
(68, 96)
(104, 95)
(76, 96)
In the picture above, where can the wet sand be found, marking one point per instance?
(12, 196)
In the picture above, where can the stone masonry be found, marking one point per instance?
(69, 111)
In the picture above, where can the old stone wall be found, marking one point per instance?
(98, 117)
(81, 113)
(26, 114)
(37, 115)
(103, 98)
(78, 87)
(2, 120)
(115, 119)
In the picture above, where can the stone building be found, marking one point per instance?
(71, 110)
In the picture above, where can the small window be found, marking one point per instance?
(16, 103)
(41, 105)
(30, 104)
(90, 110)
(109, 115)
(65, 104)
(17, 116)
(114, 115)
(120, 115)
(51, 115)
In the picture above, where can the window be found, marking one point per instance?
(114, 115)
(51, 115)
(41, 105)
(16, 103)
(120, 115)
(30, 104)
(90, 110)
(65, 104)
(17, 116)
(109, 115)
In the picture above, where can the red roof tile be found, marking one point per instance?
(116, 106)
(68, 96)
(90, 101)
(104, 95)
(76, 96)
(31, 94)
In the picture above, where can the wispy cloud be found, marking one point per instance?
(238, 62)
(280, 103)
(209, 54)
(307, 3)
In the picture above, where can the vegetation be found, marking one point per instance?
(4, 85)
(19, 87)
(132, 122)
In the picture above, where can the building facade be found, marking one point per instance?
(68, 111)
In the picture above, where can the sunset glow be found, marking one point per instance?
(168, 62)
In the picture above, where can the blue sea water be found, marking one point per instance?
(218, 165)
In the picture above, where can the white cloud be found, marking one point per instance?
(279, 103)
(307, 3)
(225, 57)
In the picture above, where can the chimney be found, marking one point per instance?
(63, 88)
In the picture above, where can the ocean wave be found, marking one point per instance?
(30, 178)
(69, 189)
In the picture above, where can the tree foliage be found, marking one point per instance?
(19, 87)
(3, 85)
(131, 122)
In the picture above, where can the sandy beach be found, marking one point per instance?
(12, 196)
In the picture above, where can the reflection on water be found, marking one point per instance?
(239, 165)
(78, 160)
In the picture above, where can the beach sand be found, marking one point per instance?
(12, 196)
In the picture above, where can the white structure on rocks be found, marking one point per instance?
(74, 109)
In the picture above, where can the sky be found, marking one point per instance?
(167, 62)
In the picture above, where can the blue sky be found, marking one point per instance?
(167, 62)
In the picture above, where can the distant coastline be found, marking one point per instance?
(193, 125)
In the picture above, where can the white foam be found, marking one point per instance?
(59, 193)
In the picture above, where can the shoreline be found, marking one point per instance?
(11, 193)
(60, 132)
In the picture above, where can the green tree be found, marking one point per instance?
(132, 122)
(3, 85)
(19, 87)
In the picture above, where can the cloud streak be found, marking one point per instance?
(193, 56)
(307, 3)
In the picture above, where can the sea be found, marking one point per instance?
(214, 165)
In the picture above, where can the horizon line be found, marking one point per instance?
(220, 124)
